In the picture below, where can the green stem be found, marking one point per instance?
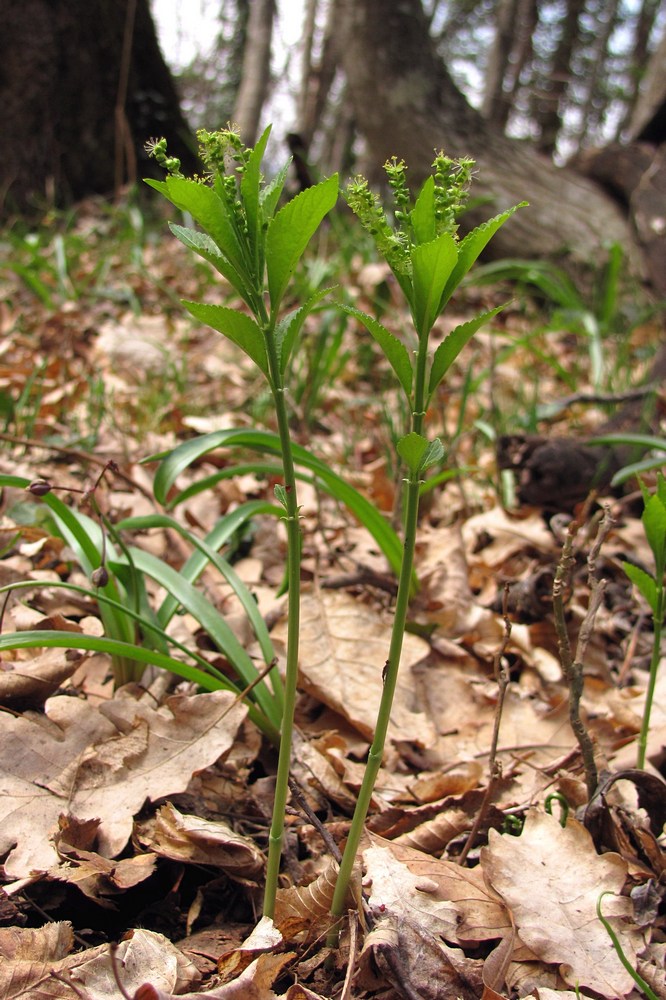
(390, 676)
(390, 680)
(658, 620)
(276, 835)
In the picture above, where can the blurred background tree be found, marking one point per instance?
(523, 86)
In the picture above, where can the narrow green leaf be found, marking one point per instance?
(128, 651)
(290, 326)
(644, 583)
(250, 186)
(291, 230)
(654, 524)
(453, 344)
(206, 552)
(423, 214)
(210, 620)
(270, 195)
(432, 264)
(395, 351)
(471, 247)
(236, 326)
(280, 495)
(263, 441)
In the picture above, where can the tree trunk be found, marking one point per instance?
(76, 115)
(495, 105)
(648, 122)
(406, 105)
(550, 104)
(256, 71)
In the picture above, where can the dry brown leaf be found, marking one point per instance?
(343, 649)
(34, 958)
(97, 877)
(304, 911)
(557, 871)
(101, 764)
(194, 840)
(31, 682)
(439, 896)
(416, 963)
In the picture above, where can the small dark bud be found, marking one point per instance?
(100, 576)
(39, 487)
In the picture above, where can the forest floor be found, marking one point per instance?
(139, 816)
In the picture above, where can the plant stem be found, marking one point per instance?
(390, 680)
(658, 620)
(276, 835)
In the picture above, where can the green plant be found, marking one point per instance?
(651, 586)
(428, 262)
(598, 309)
(135, 635)
(638, 979)
(644, 442)
(256, 246)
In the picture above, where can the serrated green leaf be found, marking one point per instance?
(208, 209)
(280, 494)
(396, 353)
(290, 326)
(453, 344)
(236, 326)
(471, 247)
(432, 264)
(291, 230)
(644, 583)
(422, 216)
(158, 186)
(204, 246)
(270, 195)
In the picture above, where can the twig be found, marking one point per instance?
(605, 398)
(573, 666)
(494, 767)
(331, 845)
(80, 456)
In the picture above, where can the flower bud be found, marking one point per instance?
(100, 576)
(39, 487)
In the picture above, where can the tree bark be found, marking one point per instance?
(68, 107)
(406, 104)
(256, 71)
(648, 122)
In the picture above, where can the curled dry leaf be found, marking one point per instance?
(95, 876)
(304, 912)
(557, 871)
(343, 649)
(28, 683)
(101, 763)
(194, 840)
